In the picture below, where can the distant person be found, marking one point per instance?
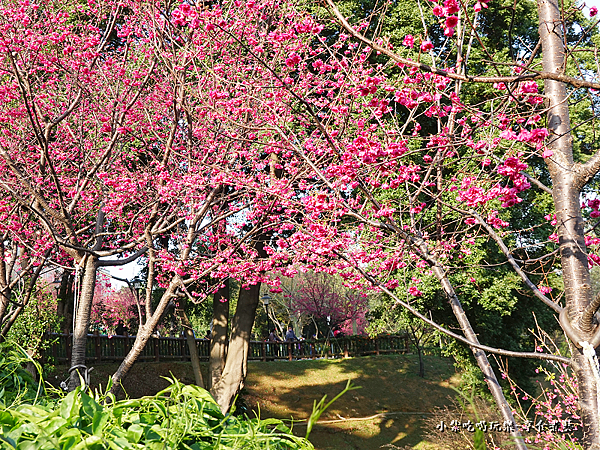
(208, 335)
(290, 335)
(273, 336)
(121, 329)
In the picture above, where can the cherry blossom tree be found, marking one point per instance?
(421, 193)
(111, 307)
(71, 86)
(390, 168)
(233, 141)
(321, 297)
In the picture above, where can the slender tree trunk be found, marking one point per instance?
(142, 338)
(417, 343)
(82, 320)
(218, 340)
(482, 361)
(234, 373)
(5, 291)
(8, 322)
(421, 362)
(191, 342)
(566, 193)
(62, 302)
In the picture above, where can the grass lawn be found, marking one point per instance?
(287, 389)
(389, 385)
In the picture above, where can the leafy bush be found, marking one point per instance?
(179, 417)
(37, 319)
(16, 384)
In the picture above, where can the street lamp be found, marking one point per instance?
(266, 299)
(56, 282)
(136, 283)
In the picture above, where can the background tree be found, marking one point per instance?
(329, 305)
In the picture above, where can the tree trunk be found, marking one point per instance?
(482, 361)
(421, 362)
(234, 373)
(417, 341)
(566, 193)
(5, 291)
(82, 320)
(142, 338)
(191, 342)
(64, 304)
(218, 340)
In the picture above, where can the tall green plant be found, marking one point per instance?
(37, 319)
(16, 384)
(179, 417)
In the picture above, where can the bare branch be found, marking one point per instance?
(512, 261)
(122, 262)
(454, 76)
(497, 351)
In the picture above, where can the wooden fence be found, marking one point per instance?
(114, 348)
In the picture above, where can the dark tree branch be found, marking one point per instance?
(512, 261)
(454, 76)
(497, 351)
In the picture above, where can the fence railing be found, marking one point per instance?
(115, 348)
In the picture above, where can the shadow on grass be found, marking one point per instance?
(287, 389)
(389, 385)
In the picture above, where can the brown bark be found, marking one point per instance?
(191, 342)
(218, 340)
(82, 320)
(31, 290)
(5, 291)
(142, 337)
(234, 372)
(566, 194)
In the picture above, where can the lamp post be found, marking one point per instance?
(56, 282)
(266, 299)
(136, 283)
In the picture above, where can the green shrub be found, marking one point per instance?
(179, 417)
(16, 384)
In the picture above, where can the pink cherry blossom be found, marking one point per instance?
(426, 46)
(414, 291)
(409, 41)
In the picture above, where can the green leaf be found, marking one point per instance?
(70, 438)
(89, 443)
(7, 418)
(479, 440)
(119, 444)
(99, 422)
(68, 404)
(53, 424)
(89, 405)
(199, 393)
(135, 432)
